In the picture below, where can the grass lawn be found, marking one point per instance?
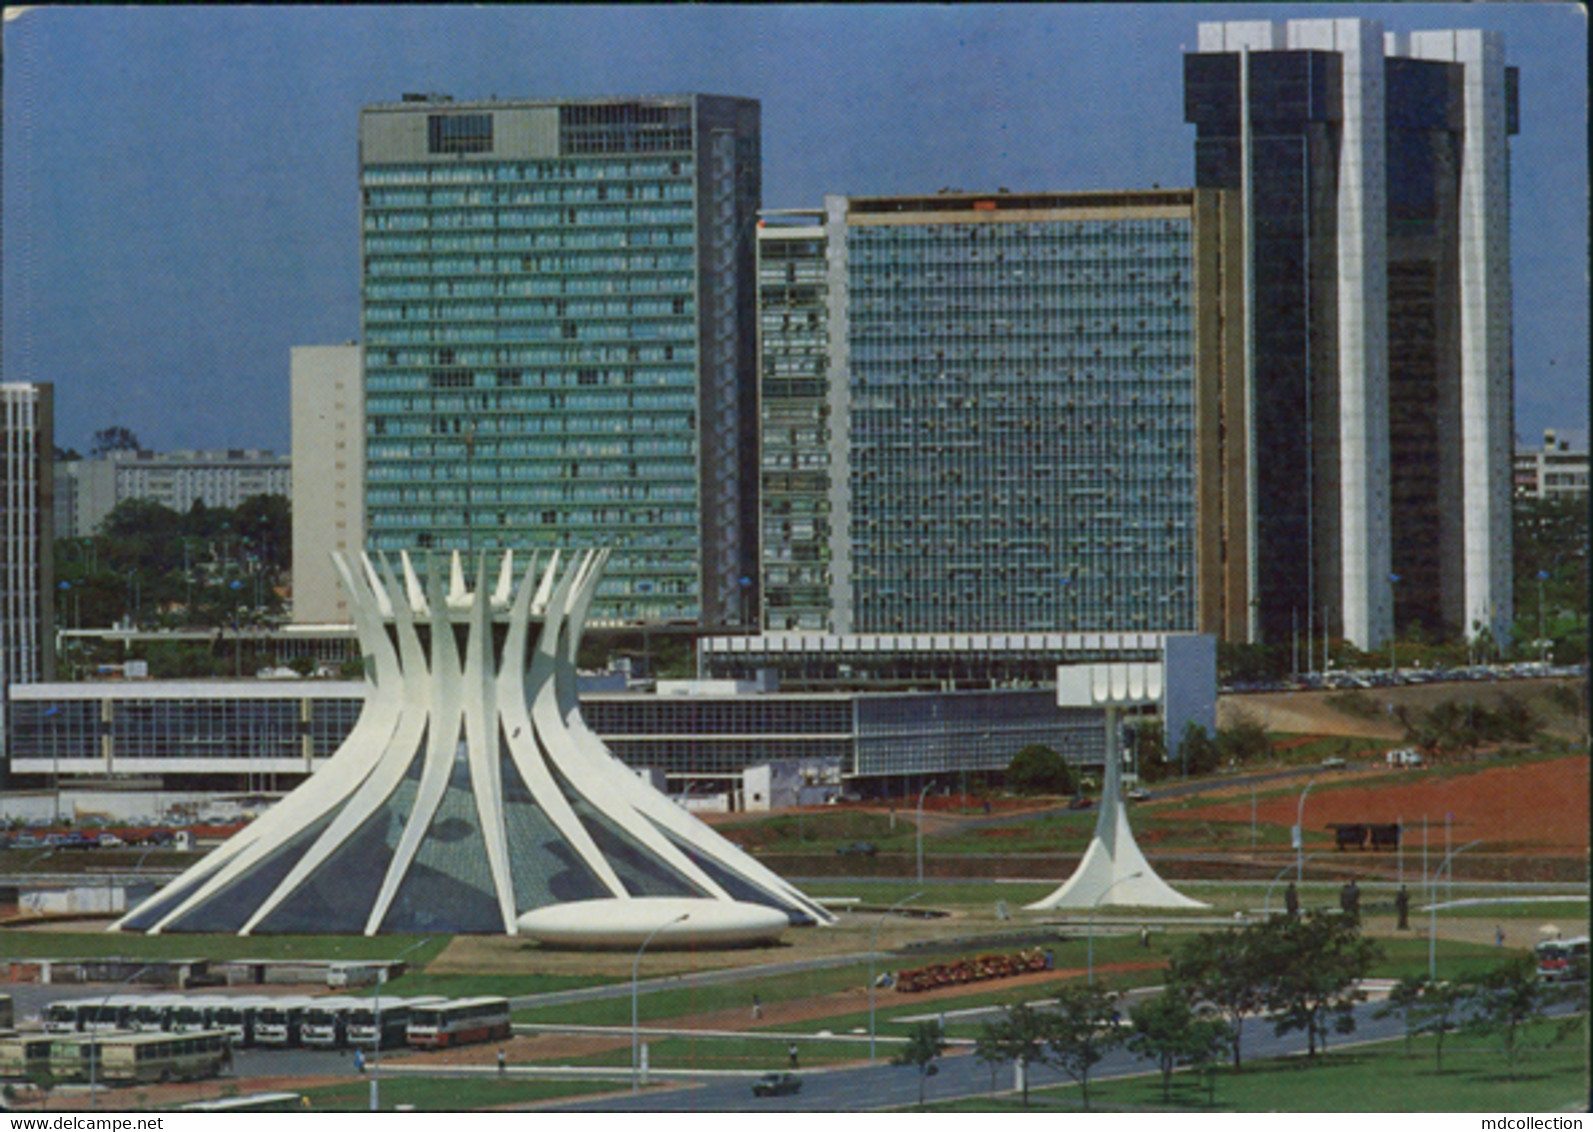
(428, 1094)
(1380, 1077)
(131, 945)
(469, 986)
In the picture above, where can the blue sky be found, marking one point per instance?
(180, 184)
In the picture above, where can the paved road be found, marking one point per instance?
(866, 1088)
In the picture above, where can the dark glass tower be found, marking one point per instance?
(1373, 171)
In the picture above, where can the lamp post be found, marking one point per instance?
(1299, 835)
(927, 787)
(636, 970)
(1266, 907)
(1543, 640)
(1432, 912)
(94, 1036)
(376, 1038)
(872, 948)
(1090, 965)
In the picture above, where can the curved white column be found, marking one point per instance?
(440, 690)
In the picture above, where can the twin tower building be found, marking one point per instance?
(1276, 403)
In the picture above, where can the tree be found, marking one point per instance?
(1080, 1030)
(1502, 1001)
(43, 1081)
(1150, 750)
(1315, 966)
(924, 1046)
(1197, 752)
(1429, 1008)
(114, 439)
(1246, 741)
(1019, 1037)
(1169, 1032)
(1221, 969)
(1038, 769)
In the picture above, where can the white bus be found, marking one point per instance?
(1563, 960)
(277, 1023)
(325, 1022)
(459, 1022)
(152, 1013)
(395, 1020)
(237, 1017)
(191, 1015)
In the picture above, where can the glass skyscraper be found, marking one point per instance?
(1024, 408)
(559, 341)
(793, 352)
(1373, 173)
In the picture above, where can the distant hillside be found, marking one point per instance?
(1366, 711)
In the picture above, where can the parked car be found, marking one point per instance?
(1333, 762)
(858, 849)
(110, 841)
(776, 1085)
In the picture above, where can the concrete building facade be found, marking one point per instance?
(178, 480)
(27, 539)
(1557, 470)
(558, 324)
(1030, 409)
(328, 477)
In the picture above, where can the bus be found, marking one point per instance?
(1563, 960)
(152, 1013)
(113, 1012)
(325, 1022)
(278, 1022)
(459, 1022)
(237, 1016)
(395, 1020)
(22, 1055)
(254, 1102)
(145, 1058)
(190, 1015)
(61, 1017)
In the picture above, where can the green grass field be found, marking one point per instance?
(1379, 1077)
(461, 1094)
(91, 945)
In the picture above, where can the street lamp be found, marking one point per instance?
(95, 1048)
(1543, 640)
(927, 787)
(1299, 835)
(1432, 912)
(376, 1039)
(1266, 907)
(636, 970)
(1090, 965)
(872, 948)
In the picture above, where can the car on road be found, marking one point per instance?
(1334, 763)
(776, 1085)
(1138, 795)
(858, 849)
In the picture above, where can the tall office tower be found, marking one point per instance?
(1373, 169)
(27, 539)
(793, 376)
(558, 315)
(328, 477)
(1025, 412)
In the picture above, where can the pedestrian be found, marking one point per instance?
(503, 1063)
(757, 1008)
(359, 1061)
(1291, 901)
(1402, 906)
(1498, 935)
(1050, 960)
(791, 1052)
(1144, 935)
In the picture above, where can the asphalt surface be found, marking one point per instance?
(881, 1086)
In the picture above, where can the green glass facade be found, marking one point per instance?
(1021, 414)
(558, 343)
(793, 351)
